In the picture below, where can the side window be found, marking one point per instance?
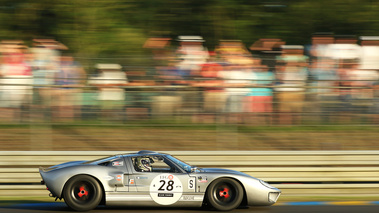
(118, 162)
(151, 164)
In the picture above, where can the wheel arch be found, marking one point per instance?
(102, 202)
(244, 199)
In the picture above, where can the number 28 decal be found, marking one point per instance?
(166, 189)
(169, 187)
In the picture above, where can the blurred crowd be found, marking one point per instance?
(332, 80)
(37, 80)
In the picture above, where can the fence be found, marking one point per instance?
(188, 104)
(297, 173)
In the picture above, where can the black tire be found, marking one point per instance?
(82, 193)
(225, 194)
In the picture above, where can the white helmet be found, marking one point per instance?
(143, 164)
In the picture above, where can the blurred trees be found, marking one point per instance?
(105, 28)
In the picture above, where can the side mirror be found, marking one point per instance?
(194, 169)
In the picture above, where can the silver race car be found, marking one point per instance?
(149, 178)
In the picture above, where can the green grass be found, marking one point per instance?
(185, 136)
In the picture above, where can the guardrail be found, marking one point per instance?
(296, 173)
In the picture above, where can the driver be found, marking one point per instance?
(143, 164)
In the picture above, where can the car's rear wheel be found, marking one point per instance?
(82, 193)
(225, 194)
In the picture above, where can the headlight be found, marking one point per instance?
(266, 184)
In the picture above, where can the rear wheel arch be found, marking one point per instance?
(91, 183)
(101, 185)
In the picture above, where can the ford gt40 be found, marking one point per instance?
(149, 178)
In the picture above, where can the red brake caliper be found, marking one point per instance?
(224, 193)
(82, 192)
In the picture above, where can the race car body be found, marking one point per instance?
(153, 179)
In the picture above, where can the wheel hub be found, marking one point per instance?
(82, 192)
(224, 193)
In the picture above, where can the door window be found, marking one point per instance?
(152, 164)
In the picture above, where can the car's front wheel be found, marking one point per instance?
(82, 193)
(225, 194)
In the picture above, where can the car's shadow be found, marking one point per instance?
(41, 206)
(62, 207)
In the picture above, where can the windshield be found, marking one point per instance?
(181, 164)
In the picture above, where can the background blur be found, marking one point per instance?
(189, 75)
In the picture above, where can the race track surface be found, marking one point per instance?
(61, 207)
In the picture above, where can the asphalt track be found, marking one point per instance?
(300, 208)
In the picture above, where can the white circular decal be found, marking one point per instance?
(166, 189)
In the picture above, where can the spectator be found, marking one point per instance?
(213, 94)
(15, 83)
(236, 79)
(345, 91)
(362, 94)
(67, 95)
(192, 55)
(259, 99)
(169, 101)
(45, 65)
(375, 106)
(290, 93)
(324, 73)
(110, 95)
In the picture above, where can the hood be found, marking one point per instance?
(223, 171)
(63, 165)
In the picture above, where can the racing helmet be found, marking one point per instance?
(143, 164)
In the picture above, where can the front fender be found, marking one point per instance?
(259, 194)
(256, 193)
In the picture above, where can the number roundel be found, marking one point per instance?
(166, 189)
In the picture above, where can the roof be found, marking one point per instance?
(143, 153)
(147, 152)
